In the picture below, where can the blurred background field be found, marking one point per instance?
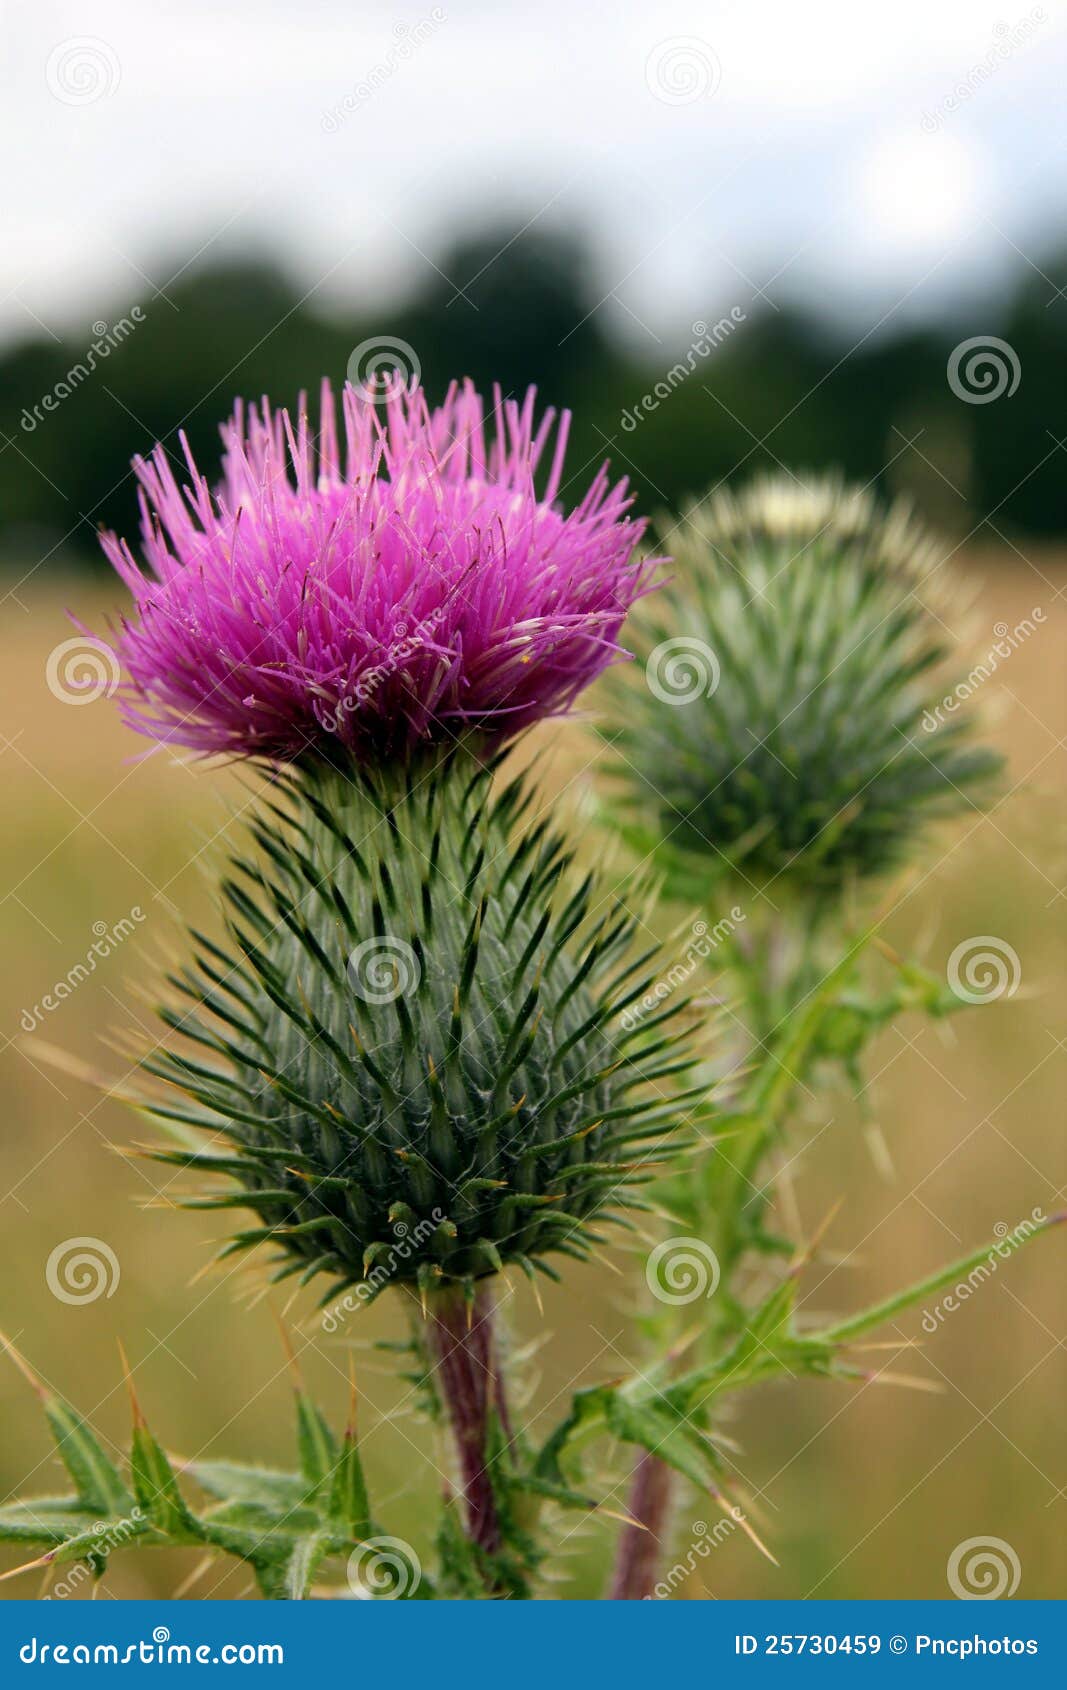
(848, 197)
(864, 1492)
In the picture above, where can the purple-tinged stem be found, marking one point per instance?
(463, 1348)
(637, 1562)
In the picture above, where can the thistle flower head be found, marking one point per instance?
(418, 1054)
(783, 729)
(362, 597)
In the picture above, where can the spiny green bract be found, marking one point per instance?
(783, 724)
(413, 1038)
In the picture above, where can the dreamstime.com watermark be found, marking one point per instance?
(984, 968)
(705, 340)
(1009, 1241)
(407, 642)
(107, 940)
(705, 1538)
(158, 1650)
(388, 1258)
(683, 69)
(983, 1569)
(108, 339)
(702, 942)
(82, 70)
(681, 670)
(1011, 38)
(982, 369)
(381, 366)
(383, 1569)
(82, 669)
(1007, 640)
(682, 1270)
(108, 1535)
(383, 968)
(409, 38)
(82, 1270)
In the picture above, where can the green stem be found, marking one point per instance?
(868, 1319)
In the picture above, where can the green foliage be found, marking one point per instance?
(413, 1038)
(282, 1525)
(671, 1414)
(780, 728)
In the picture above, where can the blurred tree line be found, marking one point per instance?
(777, 385)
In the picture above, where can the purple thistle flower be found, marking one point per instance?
(406, 587)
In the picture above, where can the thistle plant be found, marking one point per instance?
(780, 730)
(409, 1026)
(773, 750)
(416, 1022)
(420, 1021)
(372, 595)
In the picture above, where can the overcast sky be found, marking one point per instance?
(865, 154)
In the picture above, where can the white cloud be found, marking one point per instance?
(808, 154)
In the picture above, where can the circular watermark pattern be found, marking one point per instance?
(681, 1270)
(383, 1569)
(80, 670)
(383, 969)
(81, 1270)
(982, 369)
(983, 1569)
(682, 69)
(984, 968)
(82, 70)
(681, 670)
(378, 367)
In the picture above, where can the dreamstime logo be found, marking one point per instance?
(982, 369)
(379, 367)
(407, 38)
(382, 969)
(387, 1258)
(982, 1569)
(1008, 1241)
(1009, 39)
(81, 670)
(106, 940)
(682, 69)
(1008, 639)
(984, 968)
(701, 944)
(108, 1535)
(81, 1270)
(82, 70)
(408, 642)
(681, 670)
(107, 338)
(680, 1270)
(705, 1538)
(160, 1651)
(705, 341)
(384, 1569)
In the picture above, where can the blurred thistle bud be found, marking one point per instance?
(417, 1052)
(785, 729)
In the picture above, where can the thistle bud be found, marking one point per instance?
(416, 1042)
(783, 730)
